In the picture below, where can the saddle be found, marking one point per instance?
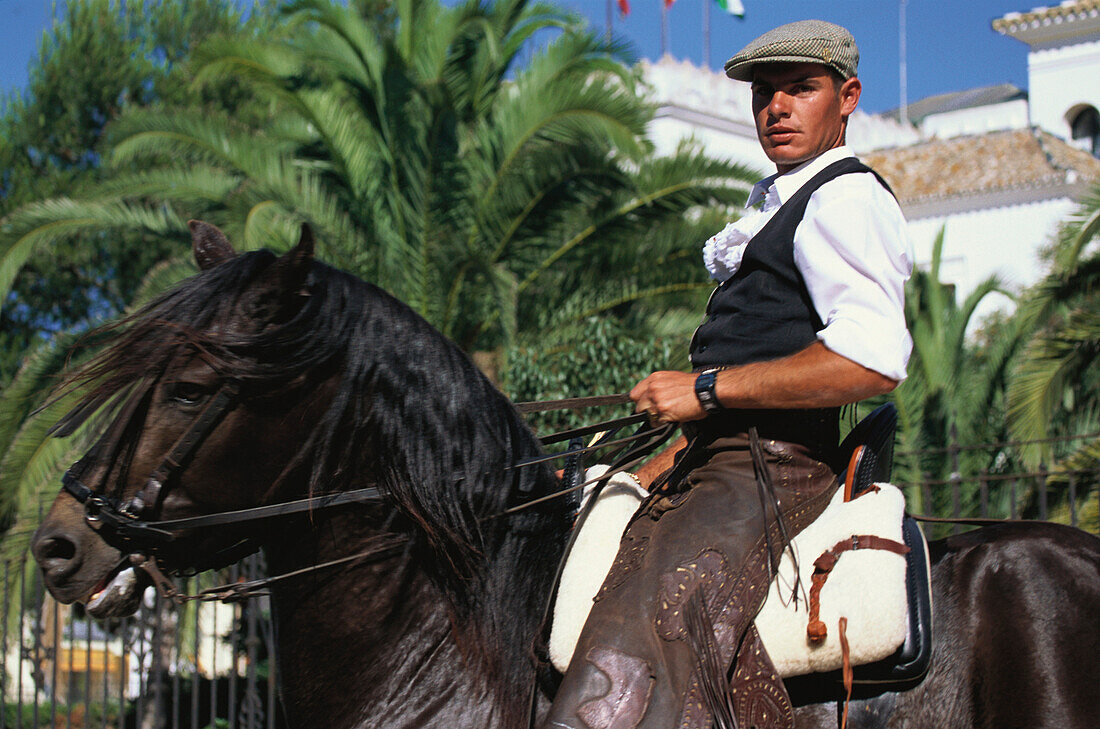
(891, 658)
(868, 451)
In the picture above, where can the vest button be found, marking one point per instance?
(702, 348)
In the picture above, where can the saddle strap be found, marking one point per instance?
(823, 565)
(847, 673)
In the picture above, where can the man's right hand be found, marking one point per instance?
(668, 397)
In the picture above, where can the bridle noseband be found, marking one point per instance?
(132, 523)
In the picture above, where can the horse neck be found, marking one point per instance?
(380, 643)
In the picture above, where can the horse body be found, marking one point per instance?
(1016, 642)
(442, 626)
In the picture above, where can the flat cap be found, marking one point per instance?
(807, 41)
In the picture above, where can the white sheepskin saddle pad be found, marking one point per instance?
(590, 559)
(866, 586)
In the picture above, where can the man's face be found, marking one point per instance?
(800, 111)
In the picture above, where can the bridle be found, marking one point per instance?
(133, 526)
(131, 522)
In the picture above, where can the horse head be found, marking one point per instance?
(266, 379)
(205, 350)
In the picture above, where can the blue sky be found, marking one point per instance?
(951, 45)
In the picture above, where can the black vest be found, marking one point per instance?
(764, 311)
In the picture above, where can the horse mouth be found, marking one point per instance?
(118, 595)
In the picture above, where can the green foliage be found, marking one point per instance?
(1055, 392)
(953, 393)
(32, 716)
(100, 58)
(430, 163)
(597, 358)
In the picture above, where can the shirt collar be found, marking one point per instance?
(788, 183)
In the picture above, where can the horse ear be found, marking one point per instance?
(209, 245)
(302, 254)
(293, 266)
(281, 292)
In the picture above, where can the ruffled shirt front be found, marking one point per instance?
(723, 251)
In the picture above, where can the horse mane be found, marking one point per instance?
(411, 413)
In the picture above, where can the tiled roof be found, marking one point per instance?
(1069, 10)
(982, 164)
(968, 99)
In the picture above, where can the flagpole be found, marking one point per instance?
(664, 27)
(903, 81)
(706, 34)
(610, 18)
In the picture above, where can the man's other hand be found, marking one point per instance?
(668, 397)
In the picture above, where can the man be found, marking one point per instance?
(808, 316)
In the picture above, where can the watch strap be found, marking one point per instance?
(705, 390)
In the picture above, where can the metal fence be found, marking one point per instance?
(987, 480)
(213, 665)
(197, 665)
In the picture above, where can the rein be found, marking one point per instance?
(133, 527)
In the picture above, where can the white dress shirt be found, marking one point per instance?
(854, 253)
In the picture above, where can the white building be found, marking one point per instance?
(997, 168)
(1063, 67)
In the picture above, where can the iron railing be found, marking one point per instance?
(199, 665)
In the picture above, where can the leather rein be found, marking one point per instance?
(133, 525)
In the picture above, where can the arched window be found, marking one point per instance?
(1085, 128)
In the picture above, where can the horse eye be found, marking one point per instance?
(187, 393)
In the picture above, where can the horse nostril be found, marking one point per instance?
(57, 555)
(56, 548)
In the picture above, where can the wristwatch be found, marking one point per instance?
(704, 390)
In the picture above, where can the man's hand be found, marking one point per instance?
(668, 397)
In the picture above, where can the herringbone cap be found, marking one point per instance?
(807, 41)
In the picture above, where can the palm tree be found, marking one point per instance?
(494, 198)
(951, 395)
(429, 163)
(1055, 391)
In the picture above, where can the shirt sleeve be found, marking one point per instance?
(853, 250)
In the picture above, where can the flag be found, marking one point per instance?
(624, 6)
(733, 7)
(668, 3)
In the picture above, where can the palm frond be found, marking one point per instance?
(36, 226)
(1050, 362)
(33, 461)
(162, 277)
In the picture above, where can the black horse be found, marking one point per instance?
(263, 380)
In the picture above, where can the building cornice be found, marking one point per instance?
(1049, 26)
(1030, 194)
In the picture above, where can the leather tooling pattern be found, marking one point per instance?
(709, 571)
(631, 552)
(760, 700)
(631, 683)
(758, 693)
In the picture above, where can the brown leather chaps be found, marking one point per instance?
(635, 666)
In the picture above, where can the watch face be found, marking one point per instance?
(704, 391)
